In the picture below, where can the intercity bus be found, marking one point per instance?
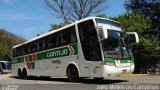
(5, 67)
(89, 48)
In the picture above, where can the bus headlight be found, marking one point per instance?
(109, 63)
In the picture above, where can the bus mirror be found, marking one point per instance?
(102, 33)
(132, 38)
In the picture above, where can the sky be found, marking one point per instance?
(27, 18)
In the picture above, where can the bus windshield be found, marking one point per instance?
(116, 45)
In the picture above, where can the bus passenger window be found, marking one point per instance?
(40, 46)
(62, 40)
(89, 41)
(73, 37)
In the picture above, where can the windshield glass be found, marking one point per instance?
(5, 66)
(115, 45)
(8, 65)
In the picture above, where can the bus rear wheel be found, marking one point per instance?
(19, 73)
(72, 73)
(24, 74)
(99, 79)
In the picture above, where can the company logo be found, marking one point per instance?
(57, 53)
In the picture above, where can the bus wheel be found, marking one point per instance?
(24, 73)
(99, 79)
(72, 73)
(19, 73)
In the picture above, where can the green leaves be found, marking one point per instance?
(134, 22)
(7, 41)
(148, 46)
(151, 10)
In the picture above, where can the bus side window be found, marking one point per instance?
(58, 40)
(73, 37)
(29, 49)
(39, 46)
(69, 35)
(50, 42)
(89, 41)
(14, 52)
(66, 36)
(63, 40)
(45, 44)
(23, 51)
(18, 51)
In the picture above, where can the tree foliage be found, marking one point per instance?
(102, 16)
(55, 27)
(72, 10)
(148, 49)
(134, 22)
(7, 41)
(151, 10)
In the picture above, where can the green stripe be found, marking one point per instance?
(30, 57)
(75, 47)
(111, 60)
(54, 53)
(17, 60)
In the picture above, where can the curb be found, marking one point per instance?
(134, 75)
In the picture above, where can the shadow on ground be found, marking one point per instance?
(84, 81)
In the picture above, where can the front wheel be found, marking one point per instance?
(99, 79)
(24, 74)
(72, 73)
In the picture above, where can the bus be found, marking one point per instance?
(5, 67)
(89, 48)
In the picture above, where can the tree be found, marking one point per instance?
(150, 45)
(134, 22)
(151, 10)
(102, 16)
(55, 27)
(7, 41)
(72, 10)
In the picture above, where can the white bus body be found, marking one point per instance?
(5, 67)
(82, 49)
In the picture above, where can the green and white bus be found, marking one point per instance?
(89, 48)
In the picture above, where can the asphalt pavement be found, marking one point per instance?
(146, 82)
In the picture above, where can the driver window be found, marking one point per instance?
(89, 41)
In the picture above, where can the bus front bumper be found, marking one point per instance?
(115, 71)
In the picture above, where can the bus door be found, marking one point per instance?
(90, 48)
(94, 59)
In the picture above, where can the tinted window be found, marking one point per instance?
(61, 38)
(89, 41)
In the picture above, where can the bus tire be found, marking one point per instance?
(19, 73)
(24, 73)
(99, 79)
(72, 73)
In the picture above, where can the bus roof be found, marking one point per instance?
(53, 31)
(4, 61)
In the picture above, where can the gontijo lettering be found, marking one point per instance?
(57, 53)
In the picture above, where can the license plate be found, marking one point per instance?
(124, 71)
